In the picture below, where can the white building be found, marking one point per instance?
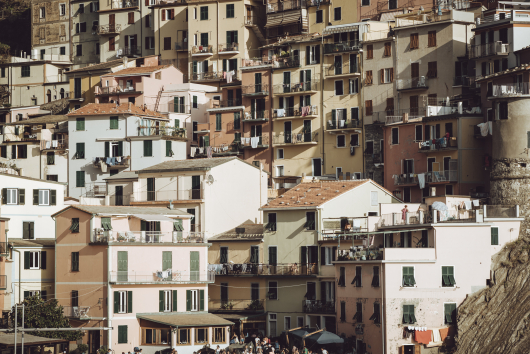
(106, 139)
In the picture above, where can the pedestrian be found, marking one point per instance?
(276, 345)
(324, 351)
(404, 212)
(217, 350)
(305, 350)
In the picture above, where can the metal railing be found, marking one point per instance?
(256, 89)
(441, 176)
(468, 81)
(511, 90)
(421, 82)
(341, 47)
(405, 179)
(255, 115)
(76, 311)
(264, 269)
(318, 306)
(75, 94)
(95, 189)
(345, 68)
(227, 47)
(122, 4)
(181, 45)
(109, 29)
(396, 219)
(286, 62)
(112, 162)
(404, 115)
(163, 131)
(237, 102)
(110, 90)
(178, 108)
(310, 3)
(501, 211)
(167, 276)
(248, 143)
(211, 75)
(105, 236)
(167, 195)
(202, 49)
(295, 87)
(294, 112)
(236, 305)
(57, 78)
(335, 228)
(256, 62)
(494, 48)
(131, 50)
(285, 5)
(345, 124)
(295, 138)
(438, 144)
(50, 145)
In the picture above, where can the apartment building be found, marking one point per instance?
(158, 301)
(84, 19)
(4, 228)
(201, 187)
(109, 138)
(50, 30)
(399, 291)
(297, 269)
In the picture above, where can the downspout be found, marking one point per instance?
(322, 120)
(19, 270)
(141, 32)
(55, 257)
(383, 324)
(361, 64)
(109, 306)
(159, 53)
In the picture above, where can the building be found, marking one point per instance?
(135, 138)
(157, 301)
(295, 261)
(4, 228)
(50, 30)
(84, 39)
(407, 273)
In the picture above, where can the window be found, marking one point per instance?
(299, 321)
(194, 300)
(122, 334)
(432, 69)
(387, 75)
(81, 8)
(50, 158)
(41, 197)
(79, 50)
(62, 9)
(357, 280)
(148, 148)
(339, 88)
(22, 151)
(195, 13)
(450, 313)
(80, 178)
(166, 297)
(365, 3)
(218, 122)
(273, 290)
(28, 230)
(375, 278)
(376, 317)
(448, 276)
(343, 311)
(408, 277)
(230, 11)
(502, 110)
(204, 13)
(287, 323)
(395, 136)
(254, 254)
(432, 39)
(408, 314)
(79, 151)
(368, 109)
(75, 225)
(130, 18)
(368, 80)
(279, 154)
(75, 261)
(388, 49)
(167, 43)
(2, 72)
(237, 120)
(75, 298)
(419, 133)
(184, 336)
(80, 124)
(337, 14)
(25, 71)
(369, 51)
(34, 260)
(310, 221)
(320, 16)
(341, 141)
(157, 336)
(342, 276)
(271, 224)
(354, 86)
(414, 41)
(494, 235)
(201, 335)
(42, 12)
(218, 335)
(114, 122)
(53, 178)
(194, 105)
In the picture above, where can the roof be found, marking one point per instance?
(48, 119)
(32, 243)
(299, 38)
(32, 179)
(9, 339)
(123, 175)
(188, 165)
(313, 194)
(100, 66)
(139, 70)
(252, 232)
(341, 28)
(185, 319)
(123, 210)
(516, 69)
(96, 109)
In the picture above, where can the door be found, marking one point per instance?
(317, 168)
(286, 81)
(195, 187)
(151, 194)
(192, 220)
(77, 87)
(415, 73)
(307, 131)
(413, 100)
(406, 194)
(224, 293)
(257, 82)
(167, 262)
(287, 132)
(230, 102)
(338, 64)
(194, 266)
(194, 128)
(112, 23)
(123, 266)
(118, 195)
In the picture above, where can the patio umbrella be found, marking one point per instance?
(324, 337)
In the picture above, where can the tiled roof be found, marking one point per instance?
(140, 70)
(312, 194)
(123, 175)
(100, 66)
(188, 165)
(185, 319)
(96, 109)
(32, 179)
(252, 232)
(126, 210)
(32, 243)
(48, 119)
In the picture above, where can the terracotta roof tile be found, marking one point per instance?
(139, 70)
(312, 194)
(95, 109)
(99, 66)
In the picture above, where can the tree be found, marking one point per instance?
(44, 314)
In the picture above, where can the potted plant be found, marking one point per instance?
(82, 348)
(121, 238)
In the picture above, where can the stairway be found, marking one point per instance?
(158, 98)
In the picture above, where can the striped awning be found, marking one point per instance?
(283, 19)
(341, 29)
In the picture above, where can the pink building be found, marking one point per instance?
(415, 270)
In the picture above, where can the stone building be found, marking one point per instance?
(50, 29)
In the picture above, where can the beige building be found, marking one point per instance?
(84, 39)
(50, 30)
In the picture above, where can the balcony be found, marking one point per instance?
(296, 88)
(181, 46)
(343, 124)
(442, 144)
(112, 162)
(429, 217)
(413, 84)
(3, 282)
(343, 228)
(56, 78)
(53, 145)
(465, 81)
(100, 235)
(342, 47)
(228, 48)
(76, 312)
(290, 269)
(255, 142)
(256, 90)
(171, 107)
(318, 306)
(256, 117)
(397, 116)
(441, 177)
(442, 108)
(129, 51)
(167, 195)
(201, 50)
(510, 90)
(489, 49)
(123, 4)
(109, 29)
(136, 88)
(248, 63)
(225, 105)
(165, 132)
(169, 276)
(344, 70)
(293, 113)
(233, 149)
(501, 211)
(242, 305)
(211, 76)
(286, 5)
(405, 179)
(310, 3)
(286, 62)
(76, 95)
(302, 138)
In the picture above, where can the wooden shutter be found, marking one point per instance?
(146, 2)
(22, 197)
(369, 51)
(188, 300)
(391, 74)
(174, 300)
(163, 15)
(31, 226)
(167, 261)
(201, 300)
(368, 107)
(116, 301)
(172, 12)
(4, 190)
(35, 197)
(26, 257)
(388, 49)
(129, 302)
(131, 18)
(414, 70)
(111, 46)
(432, 38)
(161, 300)
(494, 236)
(307, 55)
(168, 147)
(382, 76)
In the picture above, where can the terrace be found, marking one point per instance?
(288, 139)
(244, 269)
(100, 235)
(169, 276)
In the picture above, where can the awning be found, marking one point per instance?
(240, 316)
(281, 19)
(148, 217)
(186, 319)
(324, 337)
(340, 29)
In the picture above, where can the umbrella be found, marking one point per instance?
(324, 337)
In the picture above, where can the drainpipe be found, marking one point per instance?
(383, 324)
(323, 120)
(19, 270)
(109, 306)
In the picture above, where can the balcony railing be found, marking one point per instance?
(345, 124)
(79, 312)
(343, 228)
(148, 237)
(109, 29)
(348, 46)
(256, 62)
(202, 50)
(406, 178)
(511, 90)
(484, 50)
(226, 103)
(218, 150)
(264, 269)
(296, 87)
(417, 83)
(236, 305)
(438, 144)
(122, 4)
(256, 90)
(344, 69)
(158, 276)
(286, 62)
(227, 47)
(95, 189)
(181, 45)
(441, 176)
(467, 81)
(318, 306)
(76, 95)
(57, 78)
(112, 162)
(167, 195)
(259, 143)
(3, 282)
(53, 144)
(115, 90)
(131, 50)
(405, 115)
(284, 6)
(295, 112)
(310, 3)
(294, 138)
(211, 76)
(501, 211)
(255, 115)
(163, 131)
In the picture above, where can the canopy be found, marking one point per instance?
(324, 337)
(340, 29)
(147, 217)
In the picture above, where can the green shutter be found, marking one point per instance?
(120, 148)
(80, 178)
(4, 195)
(26, 294)
(174, 301)
(122, 334)
(80, 150)
(494, 236)
(107, 149)
(408, 276)
(80, 123)
(22, 197)
(53, 197)
(224, 65)
(148, 148)
(206, 141)
(116, 301)
(168, 148)
(177, 225)
(195, 66)
(167, 260)
(218, 122)
(195, 102)
(188, 300)
(31, 230)
(161, 300)
(35, 197)
(25, 230)
(113, 122)
(449, 310)
(75, 261)
(201, 300)
(129, 302)
(177, 123)
(26, 259)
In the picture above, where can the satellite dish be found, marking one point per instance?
(209, 179)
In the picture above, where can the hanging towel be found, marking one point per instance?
(54, 143)
(280, 112)
(443, 333)
(421, 180)
(192, 152)
(108, 161)
(436, 335)
(48, 144)
(341, 123)
(254, 142)
(483, 129)
(340, 114)
(475, 202)
(103, 166)
(468, 204)
(118, 159)
(229, 77)
(423, 337)
(209, 152)
(201, 151)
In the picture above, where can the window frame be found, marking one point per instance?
(454, 277)
(416, 132)
(337, 141)
(45, 192)
(335, 87)
(269, 287)
(444, 313)
(232, 10)
(9, 193)
(201, 13)
(34, 257)
(321, 13)
(62, 9)
(188, 337)
(215, 332)
(404, 283)
(25, 71)
(339, 13)
(206, 338)
(280, 156)
(491, 234)
(308, 226)
(392, 136)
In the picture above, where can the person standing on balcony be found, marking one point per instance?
(404, 212)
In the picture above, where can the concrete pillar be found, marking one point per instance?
(174, 339)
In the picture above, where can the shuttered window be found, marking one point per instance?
(237, 120)
(80, 124)
(148, 148)
(80, 150)
(113, 122)
(342, 276)
(50, 158)
(432, 39)
(357, 280)
(450, 313)
(448, 276)
(368, 107)
(230, 11)
(432, 69)
(204, 13)
(224, 255)
(408, 314)
(130, 17)
(106, 224)
(358, 313)
(80, 178)
(369, 79)
(122, 334)
(388, 49)
(408, 277)
(169, 151)
(395, 136)
(218, 122)
(376, 317)
(74, 227)
(254, 254)
(414, 41)
(343, 311)
(495, 236)
(310, 223)
(369, 51)
(375, 279)
(28, 230)
(75, 261)
(273, 255)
